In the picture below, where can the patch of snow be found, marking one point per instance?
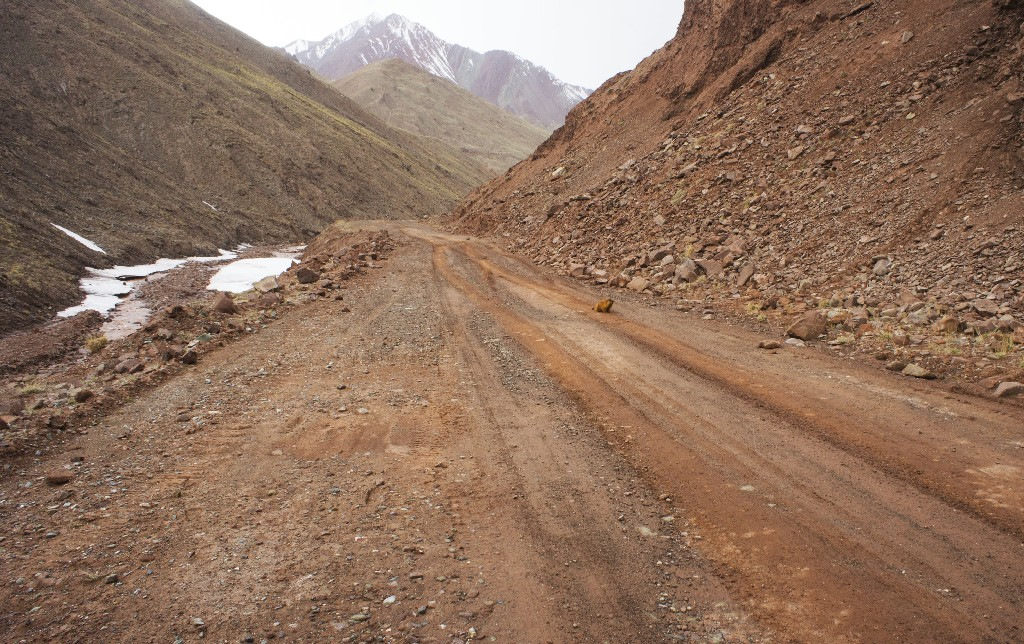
(91, 245)
(105, 288)
(212, 207)
(239, 276)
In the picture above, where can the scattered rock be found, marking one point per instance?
(267, 285)
(985, 307)
(189, 357)
(917, 371)
(1008, 389)
(83, 395)
(638, 284)
(131, 365)
(711, 268)
(812, 325)
(769, 344)
(745, 274)
(59, 478)
(12, 406)
(222, 303)
(686, 271)
(306, 275)
(896, 365)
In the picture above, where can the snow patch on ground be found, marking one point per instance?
(239, 276)
(105, 288)
(91, 245)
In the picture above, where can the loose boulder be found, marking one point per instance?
(306, 275)
(222, 303)
(812, 325)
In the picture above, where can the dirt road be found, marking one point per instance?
(473, 453)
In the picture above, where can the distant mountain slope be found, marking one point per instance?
(405, 96)
(119, 119)
(501, 77)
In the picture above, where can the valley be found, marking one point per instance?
(730, 349)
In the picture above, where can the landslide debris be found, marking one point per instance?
(860, 159)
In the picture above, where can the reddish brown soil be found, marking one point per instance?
(475, 442)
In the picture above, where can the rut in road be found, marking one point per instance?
(830, 527)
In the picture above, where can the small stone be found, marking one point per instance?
(638, 284)
(83, 395)
(686, 271)
(57, 422)
(391, 599)
(189, 357)
(359, 617)
(111, 579)
(812, 325)
(917, 371)
(794, 153)
(129, 366)
(896, 365)
(222, 303)
(745, 274)
(59, 478)
(267, 285)
(711, 268)
(306, 275)
(906, 37)
(796, 342)
(1008, 389)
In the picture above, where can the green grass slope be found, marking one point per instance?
(408, 97)
(119, 119)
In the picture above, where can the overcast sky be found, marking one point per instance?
(584, 43)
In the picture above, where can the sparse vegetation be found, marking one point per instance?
(31, 388)
(96, 343)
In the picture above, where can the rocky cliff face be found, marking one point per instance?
(860, 157)
(506, 80)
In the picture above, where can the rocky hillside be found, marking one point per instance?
(155, 130)
(406, 96)
(500, 77)
(858, 158)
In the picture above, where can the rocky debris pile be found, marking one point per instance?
(40, 403)
(797, 191)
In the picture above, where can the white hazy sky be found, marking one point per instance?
(583, 43)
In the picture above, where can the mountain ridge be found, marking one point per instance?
(500, 77)
(409, 97)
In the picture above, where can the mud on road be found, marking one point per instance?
(472, 452)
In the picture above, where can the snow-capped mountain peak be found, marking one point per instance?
(501, 77)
